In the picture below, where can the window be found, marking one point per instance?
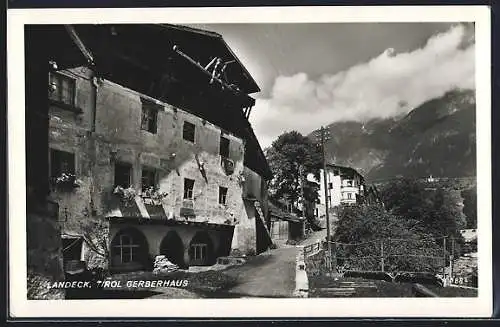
(222, 194)
(127, 248)
(188, 131)
(224, 147)
(329, 200)
(188, 188)
(61, 162)
(148, 178)
(199, 252)
(64, 89)
(349, 183)
(335, 172)
(123, 174)
(349, 196)
(317, 212)
(149, 116)
(330, 186)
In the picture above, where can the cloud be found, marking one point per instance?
(388, 85)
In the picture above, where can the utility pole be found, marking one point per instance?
(323, 137)
(382, 255)
(301, 179)
(452, 257)
(444, 256)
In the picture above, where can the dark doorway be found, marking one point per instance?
(72, 248)
(171, 246)
(130, 251)
(201, 250)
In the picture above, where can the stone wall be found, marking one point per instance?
(315, 264)
(44, 257)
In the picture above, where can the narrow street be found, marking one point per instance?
(314, 237)
(270, 274)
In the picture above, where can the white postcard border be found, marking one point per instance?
(20, 307)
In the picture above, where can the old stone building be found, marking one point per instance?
(151, 151)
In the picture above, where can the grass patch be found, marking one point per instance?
(383, 288)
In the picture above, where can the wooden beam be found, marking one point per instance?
(223, 84)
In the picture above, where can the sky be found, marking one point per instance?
(315, 74)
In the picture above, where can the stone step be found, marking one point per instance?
(360, 286)
(341, 289)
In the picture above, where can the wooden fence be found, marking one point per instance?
(313, 248)
(379, 256)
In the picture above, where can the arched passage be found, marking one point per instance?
(201, 250)
(130, 251)
(171, 246)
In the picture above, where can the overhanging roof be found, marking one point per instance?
(345, 169)
(156, 42)
(54, 43)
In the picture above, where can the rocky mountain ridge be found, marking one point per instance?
(437, 138)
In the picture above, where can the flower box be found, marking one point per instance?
(65, 181)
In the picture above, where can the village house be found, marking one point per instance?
(151, 151)
(286, 226)
(345, 186)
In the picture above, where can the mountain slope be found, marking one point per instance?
(437, 138)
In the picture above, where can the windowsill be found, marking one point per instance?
(149, 132)
(66, 106)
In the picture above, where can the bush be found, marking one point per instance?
(421, 278)
(251, 252)
(378, 275)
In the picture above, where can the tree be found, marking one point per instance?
(365, 232)
(292, 157)
(95, 234)
(470, 207)
(432, 209)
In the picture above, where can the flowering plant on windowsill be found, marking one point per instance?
(153, 195)
(127, 195)
(66, 181)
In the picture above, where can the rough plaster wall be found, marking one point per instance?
(244, 238)
(44, 257)
(173, 157)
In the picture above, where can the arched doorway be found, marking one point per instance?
(130, 251)
(201, 250)
(172, 247)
